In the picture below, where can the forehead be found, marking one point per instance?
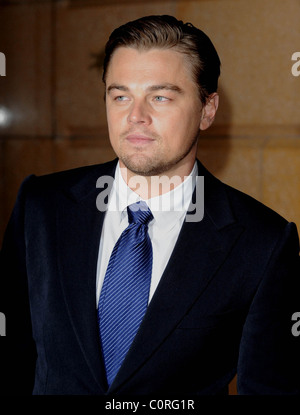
(148, 65)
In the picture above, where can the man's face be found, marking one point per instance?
(153, 110)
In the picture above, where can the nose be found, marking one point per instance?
(139, 113)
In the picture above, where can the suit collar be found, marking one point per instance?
(89, 185)
(216, 202)
(217, 205)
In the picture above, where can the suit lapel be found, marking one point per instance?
(79, 226)
(200, 250)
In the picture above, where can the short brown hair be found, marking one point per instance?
(168, 32)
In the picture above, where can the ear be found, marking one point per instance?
(209, 111)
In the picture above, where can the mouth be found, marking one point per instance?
(139, 139)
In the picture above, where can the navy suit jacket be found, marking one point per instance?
(224, 303)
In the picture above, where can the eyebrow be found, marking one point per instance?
(151, 88)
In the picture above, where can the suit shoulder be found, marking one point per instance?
(65, 180)
(253, 212)
(72, 176)
(230, 204)
(263, 228)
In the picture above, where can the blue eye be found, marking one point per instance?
(159, 98)
(121, 98)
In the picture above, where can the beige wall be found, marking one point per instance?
(55, 99)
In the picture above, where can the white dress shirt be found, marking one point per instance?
(168, 210)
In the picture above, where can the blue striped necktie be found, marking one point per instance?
(125, 292)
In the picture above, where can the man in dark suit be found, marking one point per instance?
(224, 284)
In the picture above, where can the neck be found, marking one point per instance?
(151, 186)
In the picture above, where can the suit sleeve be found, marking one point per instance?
(17, 352)
(269, 350)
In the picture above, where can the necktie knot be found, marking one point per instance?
(140, 213)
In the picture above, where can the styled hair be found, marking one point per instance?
(166, 32)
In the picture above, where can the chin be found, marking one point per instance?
(144, 166)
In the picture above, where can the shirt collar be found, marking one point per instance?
(166, 208)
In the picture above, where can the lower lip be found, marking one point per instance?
(135, 139)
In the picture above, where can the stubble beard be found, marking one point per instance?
(141, 164)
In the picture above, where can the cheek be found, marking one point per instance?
(191, 123)
(113, 122)
(168, 124)
(180, 129)
(110, 115)
(116, 120)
